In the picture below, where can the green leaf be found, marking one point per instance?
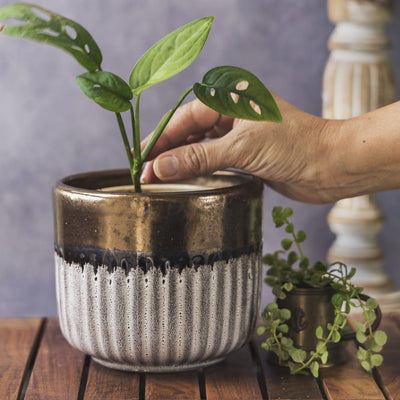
(170, 55)
(314, 368)
(351, 274)
(324, 357)
(237, 93)
(292, 257)
(362, 354)
(271, 307)
(319, 333)
(289, 228)
(277, 216)
(359, 326)
(366, 365)
(320, 266)
(261, 330)
(336, 337)
(268, 259)
(304, 263)
(36, 23)
(288, 286)
(375, 347)
(337, 286)
(320, 348)
(284, 328)
(298, 355)
(106, 89)
(361, 337)
(284, 314)
(286, 243)
(371, 303)
(369, 315)
(285, 341)
(380, 338)
(337, 300)
(376, 360)
(287, 212)
(270, 281)
(301, 236)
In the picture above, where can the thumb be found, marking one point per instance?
(191, 161)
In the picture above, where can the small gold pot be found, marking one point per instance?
(160, 280)
(310, 308)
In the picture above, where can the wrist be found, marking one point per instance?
(365, 153)
(331, 166)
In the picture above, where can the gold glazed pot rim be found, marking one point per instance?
(107, 183)
(225, 216)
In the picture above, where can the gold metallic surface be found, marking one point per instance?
(227, 214)
(310, 308)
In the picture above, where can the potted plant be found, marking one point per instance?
(154, 278)
(306, 322)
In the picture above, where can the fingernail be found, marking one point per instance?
(145, 173)
(166, 167)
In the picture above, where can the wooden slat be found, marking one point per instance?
(283, 386)
(388, 374)
(233, 379)
(17, 338)
(349, 381)
(177, 386)
(104, 383)
(58, 368)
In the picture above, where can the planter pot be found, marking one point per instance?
(162, 280)
(310, 308)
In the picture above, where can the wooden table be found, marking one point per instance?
(37, 363)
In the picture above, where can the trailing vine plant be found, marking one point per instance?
(229, 90)
(289, 268)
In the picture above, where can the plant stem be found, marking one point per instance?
(126, 143)
(300, 250)
(366, 316)
(137, 161)
(163, 123)
(335, 327)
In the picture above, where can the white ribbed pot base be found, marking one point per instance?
(159, 321)
(157, 369)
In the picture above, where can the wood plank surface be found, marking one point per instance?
(280, 384)
(17, 339)
(105, 383)
(349, 381)
(233, 379)
(58, 368)
(60, 372)
(177, 386)
(388, 374)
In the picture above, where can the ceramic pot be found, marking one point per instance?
(160, 280)
(310, 308)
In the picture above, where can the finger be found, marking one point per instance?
(192, 120)
(191, 161)
(148, 175)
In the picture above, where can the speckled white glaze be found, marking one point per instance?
(159, 322)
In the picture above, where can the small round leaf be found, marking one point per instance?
(314, 368)
(376, 360)
(380, 338)
(286, 243)
(319, 333)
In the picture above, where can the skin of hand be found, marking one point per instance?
(305, 158)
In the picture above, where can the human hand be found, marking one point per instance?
(291, 157)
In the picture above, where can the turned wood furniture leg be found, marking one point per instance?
(358, 78)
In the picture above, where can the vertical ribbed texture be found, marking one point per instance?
(155, 322)
(353, 88)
